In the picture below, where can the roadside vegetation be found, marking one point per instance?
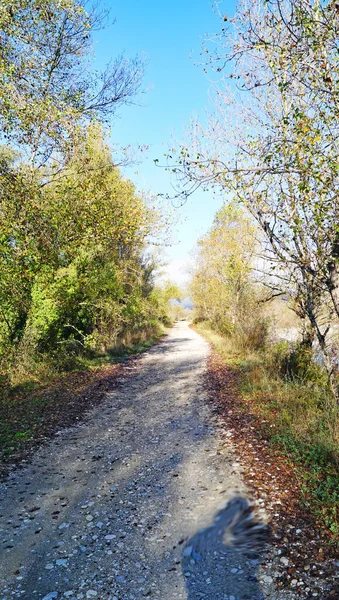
(270, 147)
(77, 275)
(279, 381)
(76, 263)
(77, 290)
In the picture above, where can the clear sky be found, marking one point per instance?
(170, 34)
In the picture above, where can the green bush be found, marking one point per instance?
(75, 280)
(296, 362)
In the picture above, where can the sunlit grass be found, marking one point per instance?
(303, 415)
(25, 406)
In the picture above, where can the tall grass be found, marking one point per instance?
(285, 387)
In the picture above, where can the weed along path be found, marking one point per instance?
(135, 502)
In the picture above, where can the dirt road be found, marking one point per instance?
(131, 504)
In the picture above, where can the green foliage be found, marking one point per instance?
(76, 280)
(223, 289)
(47, 93)
(273, 148)
(299, 416)
(319, 474)
(296, 362)
(164, 295)
(76, 284)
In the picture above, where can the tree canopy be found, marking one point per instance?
(271, 143)
(76, 277)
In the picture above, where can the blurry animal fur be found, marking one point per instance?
(245, 532)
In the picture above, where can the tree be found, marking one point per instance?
(272, 142)
(47, 90)
(74, 274)
(223, 287)
(76, 277)
(167, 296)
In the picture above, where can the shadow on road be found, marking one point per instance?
(217, 568)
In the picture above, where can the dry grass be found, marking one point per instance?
(298, 413)
(283, 316)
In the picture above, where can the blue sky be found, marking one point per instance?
(170, 34)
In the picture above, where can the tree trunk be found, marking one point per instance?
(333, 280)
(328, 364)
(333, 274)
(307, 335)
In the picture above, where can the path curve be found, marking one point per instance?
(131, 503)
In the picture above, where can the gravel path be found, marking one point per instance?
(133, 503)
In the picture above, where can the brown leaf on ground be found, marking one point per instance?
(61, 403)
(273, 480)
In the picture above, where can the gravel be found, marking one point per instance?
(133, 503)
